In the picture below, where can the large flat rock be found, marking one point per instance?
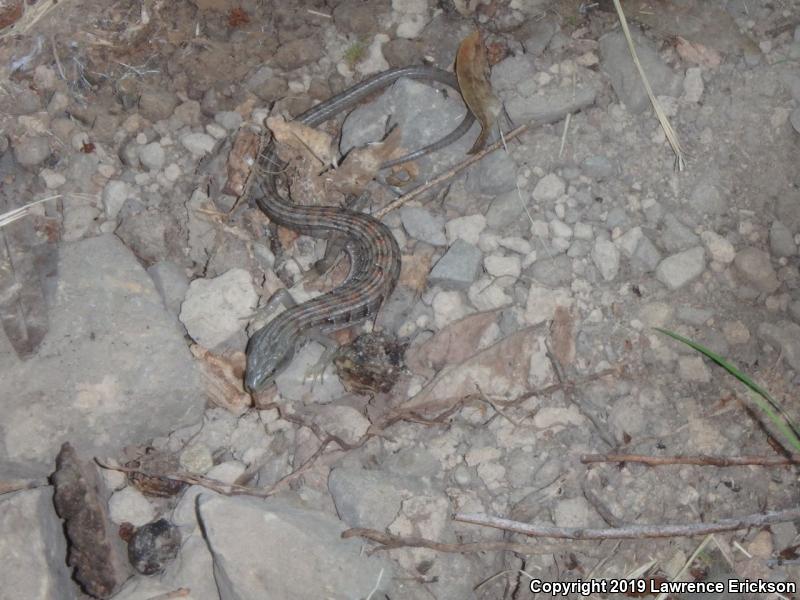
(113, 369)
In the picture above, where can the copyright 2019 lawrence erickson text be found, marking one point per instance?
(655, 586)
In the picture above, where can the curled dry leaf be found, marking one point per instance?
(472, 71)
(562, 336)
(315, 145)
(241, 159)
(224, 379)
(697, 53)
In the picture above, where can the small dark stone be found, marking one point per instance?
(153, 545)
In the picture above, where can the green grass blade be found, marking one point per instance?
(760, 396)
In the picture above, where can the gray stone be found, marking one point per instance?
(707, 199)
(300, 382)
(598, 167)
(646, 256)
(370, 498)
(794, 310)
(755, 267)
(216, 309)
(229, 119)
(112, 362)
(549, 188)
(351, 16)
(152, 156)
(458, 268)
(80, 171)
(794, 119)
(256, 547)
(617, 62)
(556, 271)
(199, 144)
(298, 53)
(421, 225)
(115, 194)
(171, 282)
(784, 336)
(676, 236)
(152, 234)
(679, 269)
(495, 174)
(504, 210)
(267, 84)
(156, 105)
(781, 240)
(606, 258)
(32, 548)
(31, 150)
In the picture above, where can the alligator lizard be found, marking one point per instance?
(373, 252)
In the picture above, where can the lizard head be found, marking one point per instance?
(266, 358)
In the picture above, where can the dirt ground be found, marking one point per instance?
(522, 332)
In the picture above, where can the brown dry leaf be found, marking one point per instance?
(456, 342)
(362, 164)
(502, 369)
(241, 159)
(697, 53)
(562, 336)
(312, 144)
(472, 71)
(224, 379)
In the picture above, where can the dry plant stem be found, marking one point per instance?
(630, 531)
(179, 593)
(447, 175)
(6, 487)
(702, 460)
(390, 542)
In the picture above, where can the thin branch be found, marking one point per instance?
(630, 531)
(700, 459)
(390, 542)
(6, 487)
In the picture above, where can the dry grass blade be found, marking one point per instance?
(662, 117)
(17, 213)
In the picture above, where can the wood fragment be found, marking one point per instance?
(390, 542)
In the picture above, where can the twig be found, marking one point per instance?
(19, 212)
(447, 175)
(6, 487)
(700, 459)
(630, 531)
(390, 542)
(226, 489)
(179, 593)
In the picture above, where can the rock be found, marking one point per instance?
(153, 546)
(693, 369)
(111, 344)
(598, 167)
(216, 309)
(549, 188)
(298, 382)
(755, 268)
(781, 240)
(256, 544)
(114, 196)
(156, 105)
(350, 16)
(606, 258)
(31, 150)
(616, 61)
(151, 234)
(467, 228)
(448, 307)
(199, 144)
(505, 209)
(129, 505)
(785, 336)
(412, 17)
(52, 179)
(553, 272)
(298, 53)
(794, 119)
(152, 156)
(421, 225)
(458, 267)
(676, 236)
(720, 249)
(32, 548)
(229, 119)
(542, 303)
(345, 422)
(677, 270)
(573, 512)
(693, 85)
(370, 498)
(503, 266)
(401, 52)
(494, 174)
(707, 199)
(267, 84)
(171, 282)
